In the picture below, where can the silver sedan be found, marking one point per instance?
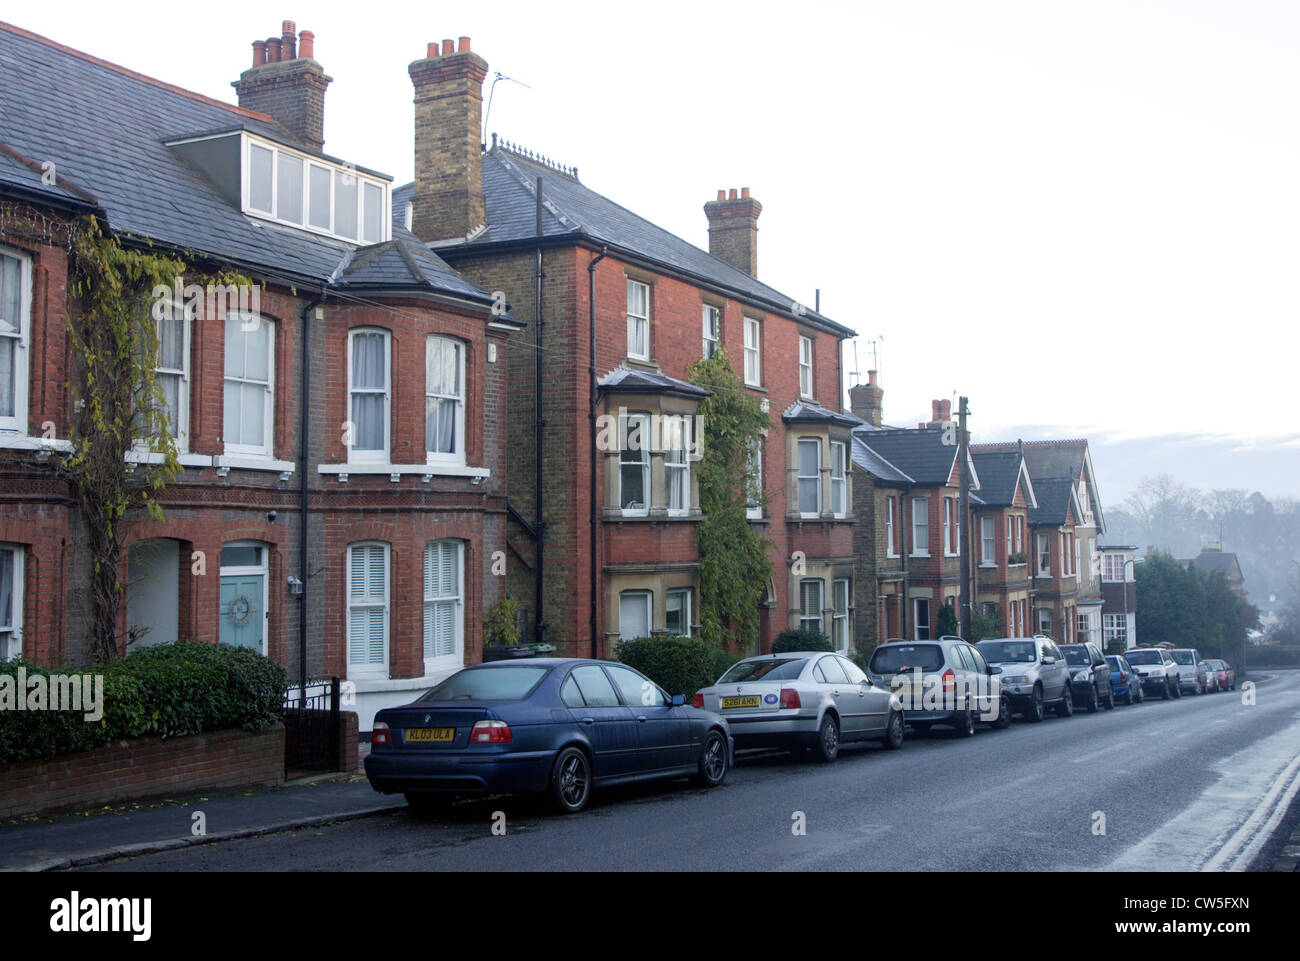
(804, 700)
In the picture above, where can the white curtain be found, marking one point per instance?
(369, 384)
(444, 395)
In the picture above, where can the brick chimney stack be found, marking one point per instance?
(865, 400)
(287, 83)
(940, 413)
(733, 229)
(448, 198)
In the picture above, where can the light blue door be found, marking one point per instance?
(243, 618)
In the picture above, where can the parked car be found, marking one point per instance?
(562, 726)
(945, 681)
(1226, 675)
(1157, 669)
(1034, 674)
(804, 700)
(1090, 676)
(1124, 680)
(1211, 679)
(1191, 669)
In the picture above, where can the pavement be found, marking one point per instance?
(129, 830)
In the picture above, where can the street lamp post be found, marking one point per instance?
(1123, 579)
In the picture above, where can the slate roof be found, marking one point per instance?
(802, 412)
(919, 452)
(1225, 562)
(999, 473)
(1054, 495)
(571, 209)
(874, 464)
(634, 380)
(104, 127)
(1051, 459)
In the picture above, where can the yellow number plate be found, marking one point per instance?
(427, 734)
(749, 700)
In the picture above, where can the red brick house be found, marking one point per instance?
(343, 443)
(602, 543)
(1000, 539)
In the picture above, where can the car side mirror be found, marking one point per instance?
(679, 700)
(867, 682)
(1048, 660)
(994, 669)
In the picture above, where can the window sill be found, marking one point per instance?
(12, 440)
(154, 457)
(396, 471)
(224, 462)
(925, 555)
(988, 566)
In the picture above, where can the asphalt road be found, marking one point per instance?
(1193, 784)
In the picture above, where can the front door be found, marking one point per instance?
(243, 596)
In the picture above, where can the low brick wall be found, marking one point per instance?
(142, 768)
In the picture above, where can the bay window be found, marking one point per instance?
(677, 464)
(11, 601)
(677, 613)
(810, 477)
(839, 484)
(444, 400)
(810, 605)
(369, 390)
(15, 327)
(634, 464)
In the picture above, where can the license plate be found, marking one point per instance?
(749, 700)
(425, 735)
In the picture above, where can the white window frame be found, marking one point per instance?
(753, 373)
(625, 429)
(1044, 628)
(371, 456)
(801, 478)
(840, 620)
(817, 618)
(1114, 628)
(840, 483)
(22, 343)
(638, 323)
(1020, 533)
(433, 597)
(677, 473)
(337, 171)
(921, 527)
(1043, 547)
(457, 454)
(805, 367)
(11, 634)
(891, 549)
(367, 669)
(685, 594)
(648, 598)
(754, 508)
(268, 401)
(711, 321)
(182, 436)
(989, 541)
(949, 518)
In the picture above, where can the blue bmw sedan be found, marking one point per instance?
(559, 726)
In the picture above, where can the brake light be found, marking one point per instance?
(490, 732)
(697, 700)
(381, 734)
(949, 681)
(789, 698)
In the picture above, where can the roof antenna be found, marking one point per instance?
(491, 90)
(856, 376)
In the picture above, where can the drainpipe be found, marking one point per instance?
(304, 405)
(591, 417)
(539, 627)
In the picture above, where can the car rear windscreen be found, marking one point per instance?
(776, 669)
(1008, 652)
(1144, 657)
(1182, 657)
(896, 658)
(488, 684)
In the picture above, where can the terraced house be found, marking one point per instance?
(343, 449)
(1000, 539)
(602, 543)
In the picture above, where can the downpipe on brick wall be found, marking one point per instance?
(304, 448)
(591, 415)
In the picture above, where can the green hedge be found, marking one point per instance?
(169, 690)
(680, 665)
(801, 640)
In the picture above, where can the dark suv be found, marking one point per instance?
(1089, 676)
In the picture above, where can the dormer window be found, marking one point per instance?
(314, 194)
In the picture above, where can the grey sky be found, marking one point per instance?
(1078, 213)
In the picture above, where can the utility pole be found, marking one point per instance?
(963, 448)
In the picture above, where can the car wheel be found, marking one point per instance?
(1092, 705)
(570, 781)
(426, 803)
(1004, 714)
(893, 738)
(1034, 713)
(828, 739)
(1066, 707)
(965, 724)
(713, 760)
